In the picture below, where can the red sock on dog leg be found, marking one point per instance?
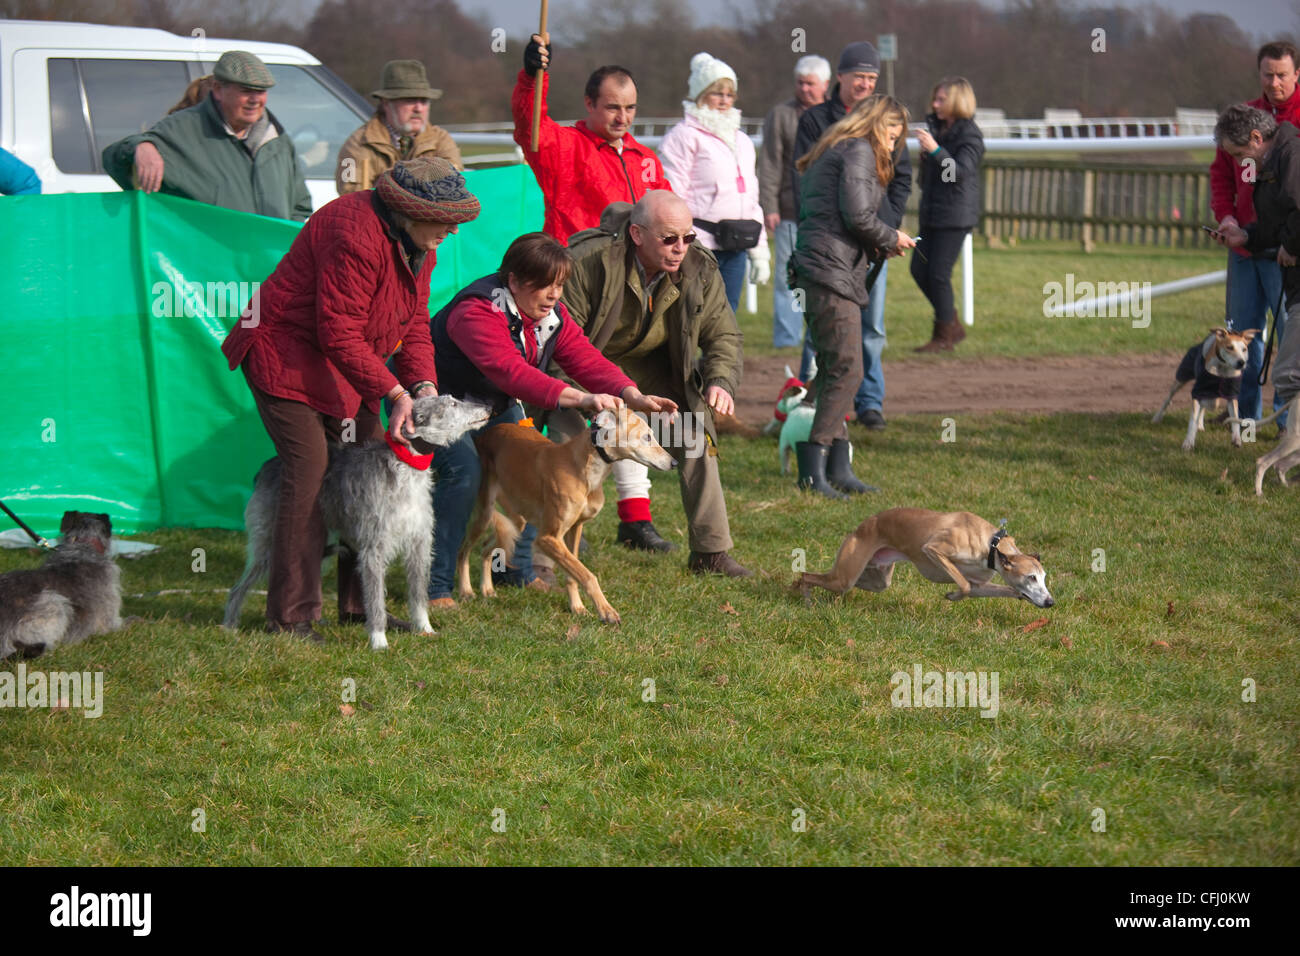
(634, 509)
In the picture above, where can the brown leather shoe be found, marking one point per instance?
(717, 562)
(545, 574)
(443, 604)
(303, 629)
(537, 584)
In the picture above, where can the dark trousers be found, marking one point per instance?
(835, 329)
(932, 263)
(300, 435)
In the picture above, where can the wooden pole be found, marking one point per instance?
(537, 87)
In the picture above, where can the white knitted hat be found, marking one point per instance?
(705, 71)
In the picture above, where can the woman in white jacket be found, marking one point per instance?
(710, 162)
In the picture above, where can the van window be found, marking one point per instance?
(313, 115)
(124, 97)
(69, 137)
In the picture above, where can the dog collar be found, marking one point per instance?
(408, 457)
(993, 545)
(595, 444)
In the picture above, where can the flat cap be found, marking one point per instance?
(238, 66)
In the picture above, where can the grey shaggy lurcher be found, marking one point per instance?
(75, 594)
(378, 506)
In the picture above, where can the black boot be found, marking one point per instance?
(642, 536)
(812, 469)
(840, 473)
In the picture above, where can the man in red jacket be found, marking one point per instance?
(352, 290)
(581, 169)
(1254, 282)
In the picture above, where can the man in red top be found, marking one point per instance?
(585, 167)
(1254, 282)
(581, 169)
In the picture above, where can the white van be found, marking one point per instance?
(67, 90)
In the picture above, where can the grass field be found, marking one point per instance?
(766, 711)
(1128, 700)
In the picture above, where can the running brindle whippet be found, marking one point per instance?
(954, 546)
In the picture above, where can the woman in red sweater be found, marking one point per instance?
(493, 341)
(351, 290)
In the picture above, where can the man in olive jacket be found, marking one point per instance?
(228, 150)
(650, 300)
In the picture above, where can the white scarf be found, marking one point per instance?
(546, 326)
(724, 124)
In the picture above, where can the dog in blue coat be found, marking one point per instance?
(1214, 368)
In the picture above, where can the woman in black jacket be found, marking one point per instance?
(951, 149)
(842, 183)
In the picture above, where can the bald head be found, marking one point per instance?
(661, 214)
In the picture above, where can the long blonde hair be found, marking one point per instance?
(869, 120)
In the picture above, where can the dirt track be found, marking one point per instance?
(1127, 383)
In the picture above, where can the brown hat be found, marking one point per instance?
(405, 80)
(427, 189)
(243, 69)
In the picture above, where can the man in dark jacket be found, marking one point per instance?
(228, 150)
(1256, 141)
(1254, 282)
(856, 75)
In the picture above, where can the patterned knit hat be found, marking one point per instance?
(427, 189)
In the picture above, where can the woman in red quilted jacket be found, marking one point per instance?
(352, 291)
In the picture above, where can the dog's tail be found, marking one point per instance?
(1293, 404)
(504, 535)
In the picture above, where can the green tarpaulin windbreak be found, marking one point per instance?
(113, 308)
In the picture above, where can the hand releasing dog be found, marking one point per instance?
(75, 594)
(377, 504)
(1214, 366)
(558, 488)
(954, 546)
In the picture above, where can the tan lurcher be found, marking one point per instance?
(556, 488)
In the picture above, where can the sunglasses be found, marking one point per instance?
(672, 240)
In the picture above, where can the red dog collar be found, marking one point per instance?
(408, 457)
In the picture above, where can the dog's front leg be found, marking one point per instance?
(1236, 425)
(419, 555)
(371, 565)
(993, 591)
(959, 579)
(1193, 425)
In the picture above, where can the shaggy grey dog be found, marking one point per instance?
(378, 506)
(75, 594)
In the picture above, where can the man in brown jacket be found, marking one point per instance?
(399, 130)
(650, 299)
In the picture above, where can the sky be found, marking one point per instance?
(1259, 18)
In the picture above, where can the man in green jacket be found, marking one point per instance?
(228, 150)
(651, 300)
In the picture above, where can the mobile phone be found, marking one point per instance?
(1213, 232)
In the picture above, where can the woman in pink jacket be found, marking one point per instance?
(710, 162)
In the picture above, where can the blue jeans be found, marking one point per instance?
(1254, 285)
(458, 473)
(732, 267)
(871, 393)
(787, 324)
